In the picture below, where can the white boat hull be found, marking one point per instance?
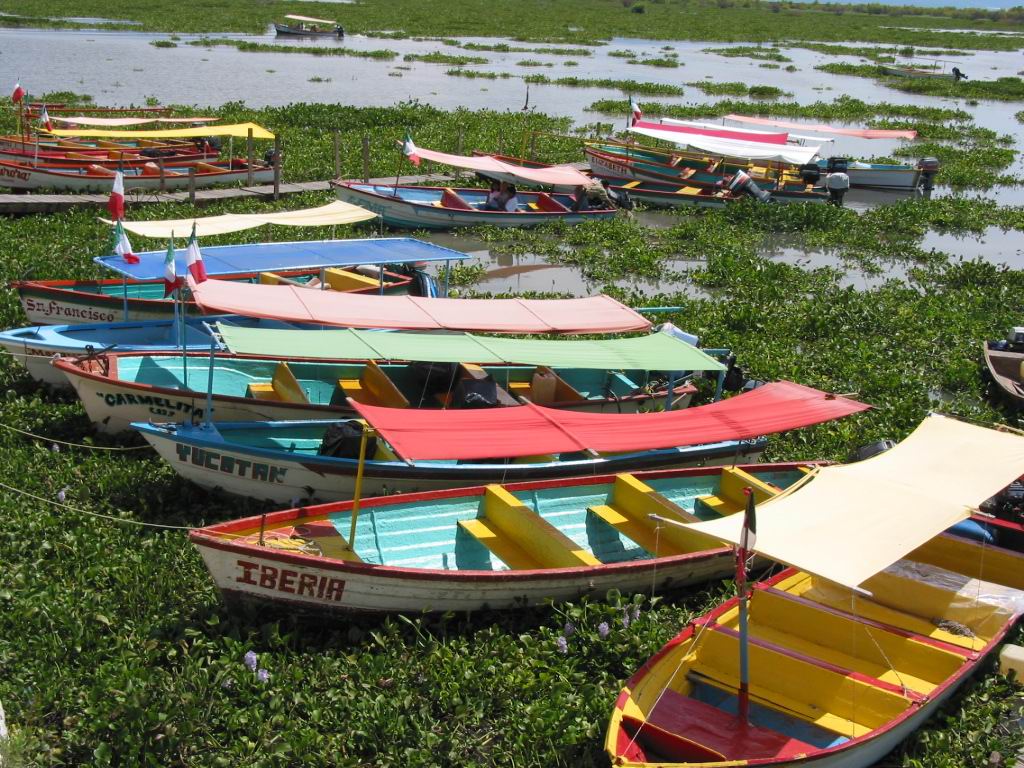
(27, 177)
(36, 360)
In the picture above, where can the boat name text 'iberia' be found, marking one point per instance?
(289, 581)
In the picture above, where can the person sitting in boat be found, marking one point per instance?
(510, 203)
(494, 196)
(592, 197)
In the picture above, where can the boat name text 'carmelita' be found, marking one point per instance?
(158, 406)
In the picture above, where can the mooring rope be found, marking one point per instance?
(76, 445)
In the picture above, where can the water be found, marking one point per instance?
(118, 67)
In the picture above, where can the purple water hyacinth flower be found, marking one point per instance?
(263, 676)
(603, 629)
(625, 618)
(562, 644)
(62, 494)
(251, 660)
(570, 629)
(54, 447)
(634, 612)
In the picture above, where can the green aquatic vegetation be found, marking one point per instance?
(473, 73)
(533, 63)
(249, 47)
(163, 43)
(437, 57)
(1000, 89)
(766, 92)
(506, 48)
(719, 88)
(751, 52)
(768, 66)
(656, 62)
(628, 86)
(622, 54)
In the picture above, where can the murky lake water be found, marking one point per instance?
(123, 67)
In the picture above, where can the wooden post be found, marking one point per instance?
(160, 164)
(277, 167)
(459, 150)
(337, 154)
(250, 150)
(366, 157)
(192, 185)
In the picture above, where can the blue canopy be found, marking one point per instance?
(275, 257)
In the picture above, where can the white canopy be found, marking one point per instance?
(325, 215)
(310, 20)
(784, 153)
(699, 124)
(115, 122)
(553, 175)
(852, 521)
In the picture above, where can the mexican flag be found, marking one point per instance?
(195, 258)
(122, 247)
(44, 118)
(410, 150)
(116, 202)
(635, 109)
(18, 94)
(171, 280)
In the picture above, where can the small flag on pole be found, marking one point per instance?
(115, 204)
(18, 94)
(196, 268)
(749, 535)
(44, 118)
(122, 246)
(635, 109)
(171, 280)
(410, 150)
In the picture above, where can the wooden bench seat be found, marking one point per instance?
(347, 280)
(629, 512)
(731, 498)
(284, 387)
(373, 387)
(520, 537)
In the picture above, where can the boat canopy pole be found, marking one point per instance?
(447, 275)
(357, 495)
(746, 540)
(124, 293)
(209, 379)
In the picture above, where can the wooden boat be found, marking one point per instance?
(304, 26)
(149, 176)
(36, 345)
(108, 158)
(351, 266)
(688, 177)
(862, 175)
(117, 389)
(286, 460)
(1004, 364)
(61, 108)
(827, 684)
(446, 207)
(45, 142)
(675, 195)
(915, 72)
(835, 662)
(104, 301)
(494, 547)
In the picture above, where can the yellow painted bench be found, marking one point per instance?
(730, 497)
(284, 387)
(629, 512)
(520, 537)
(373, 387)
(346, 280)
(272, 278)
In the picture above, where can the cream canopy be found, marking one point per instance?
(238, 130)
(851, 521)
(335, 213)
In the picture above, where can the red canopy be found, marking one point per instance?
(531, 429)
(721, 133)
(594, 314)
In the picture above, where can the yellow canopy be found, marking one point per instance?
(852, 521)
(239, 130)
(323, 216)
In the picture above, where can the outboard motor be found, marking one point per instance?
(929, 166)
(735, 378)
(869, 450)
(837, 184)
(837, 165)
(742, 183)
(269, 156)
(212, 142)
(1015, 340)
(810, 173)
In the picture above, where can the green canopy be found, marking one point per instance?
(654, 352)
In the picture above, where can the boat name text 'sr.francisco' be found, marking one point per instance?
(292, 582)
(231, 465)
(67, 311)
(158, 406)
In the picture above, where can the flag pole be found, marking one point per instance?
(398, 171)
(749, 528)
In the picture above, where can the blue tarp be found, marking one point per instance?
(275, 257)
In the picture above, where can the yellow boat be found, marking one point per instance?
(841, 667)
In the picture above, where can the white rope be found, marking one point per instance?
(76, 445)
(100, 515)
